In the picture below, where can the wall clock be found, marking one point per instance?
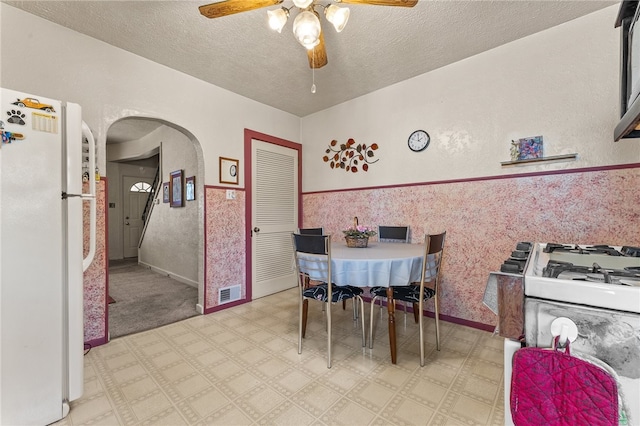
(418, 140)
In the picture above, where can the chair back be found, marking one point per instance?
(434, 249)
(393, 234)
(312, 257)
(311, 231)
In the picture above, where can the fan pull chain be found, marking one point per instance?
(313, 71)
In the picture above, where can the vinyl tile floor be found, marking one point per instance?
(241, 366)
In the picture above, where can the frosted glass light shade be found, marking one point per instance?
(277, 18)
(306, 29)
(338, 16)
(302, 4)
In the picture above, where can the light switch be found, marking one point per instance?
(231, 194)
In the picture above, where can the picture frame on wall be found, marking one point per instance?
(229, 170)
(165, 192)
(175, 189)
(190, 188)
(531, 147)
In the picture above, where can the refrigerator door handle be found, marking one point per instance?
(91, 197)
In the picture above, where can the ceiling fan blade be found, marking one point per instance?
(318, 55)
(229, 7)
(403, 3)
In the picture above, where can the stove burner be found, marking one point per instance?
(567, 270)
(631, 251)
(596, 249)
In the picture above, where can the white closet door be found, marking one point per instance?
(274, 186)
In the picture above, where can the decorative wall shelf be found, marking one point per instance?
(539, 160)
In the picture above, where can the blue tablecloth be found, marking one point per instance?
(380, 264)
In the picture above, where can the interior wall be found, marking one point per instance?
(562, 83)
(111, 84)
(486, 218)
(172, 237)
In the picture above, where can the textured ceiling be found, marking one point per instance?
(380, 45)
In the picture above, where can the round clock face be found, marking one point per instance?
(418, 140)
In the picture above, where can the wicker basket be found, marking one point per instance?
(357, 242)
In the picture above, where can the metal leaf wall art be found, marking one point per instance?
(350, 156)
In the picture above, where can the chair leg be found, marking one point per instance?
(416, 312)
(364, 337)
(355, 310)
(303, 319)
(344, 304)
(300, 316)
(420, 322)
(329, 334)
(373, 306)
(437, 316)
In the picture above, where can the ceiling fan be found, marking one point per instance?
(306, 25)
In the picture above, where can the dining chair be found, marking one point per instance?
(313, 259)
(417, 294)
(311, 231)
(393, 234)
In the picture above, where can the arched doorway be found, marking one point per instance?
(148, 150)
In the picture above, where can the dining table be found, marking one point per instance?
(382, 264)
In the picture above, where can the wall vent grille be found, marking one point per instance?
(228, 294)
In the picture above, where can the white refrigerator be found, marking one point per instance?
(41, 256)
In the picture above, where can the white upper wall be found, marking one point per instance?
(561, 83)
(46, 59)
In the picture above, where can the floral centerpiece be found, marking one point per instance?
(358, 236)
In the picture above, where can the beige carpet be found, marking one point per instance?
(145, 300)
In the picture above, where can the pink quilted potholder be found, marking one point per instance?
(550, 387)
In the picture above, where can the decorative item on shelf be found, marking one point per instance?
(358, 236)
(349, 156)
(526, 148)
(515, 150)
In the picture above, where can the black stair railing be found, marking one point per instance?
(152, 195)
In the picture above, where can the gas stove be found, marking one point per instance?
(592, 275)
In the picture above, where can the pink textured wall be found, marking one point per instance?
(484, 220)
(95, 277)
(224, 243)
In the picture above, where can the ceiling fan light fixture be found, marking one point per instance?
(306, 29)
(278, 18)
(302, 4)
(338, 16)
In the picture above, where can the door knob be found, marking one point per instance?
(126, 223)
(256, 229)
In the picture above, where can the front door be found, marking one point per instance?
(134, 196)
(274, 216)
